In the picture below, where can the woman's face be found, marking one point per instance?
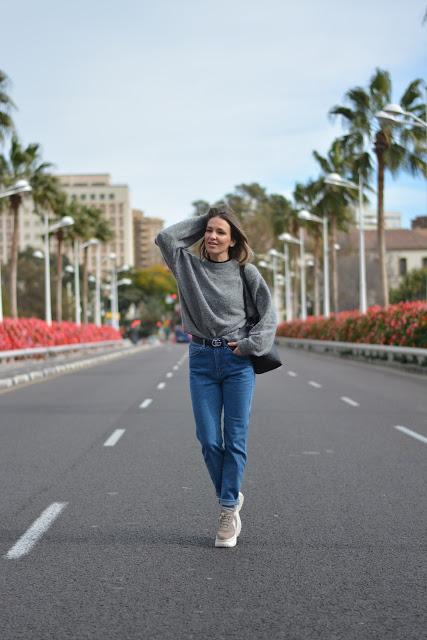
(218, 239)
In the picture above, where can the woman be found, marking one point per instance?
(221, 373)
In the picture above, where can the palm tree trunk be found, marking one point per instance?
(316, 254)
(333, 241)
(85, 285)
(59, 278)
(380, 146)
(15, 201)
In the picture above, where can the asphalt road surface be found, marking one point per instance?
(108, 516)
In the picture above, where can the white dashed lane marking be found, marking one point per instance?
(161, 385)
(349, 401)
(35, 532)
(146, 403)
(292, 374)
(114, 438)
(314, 384)
(411, 433)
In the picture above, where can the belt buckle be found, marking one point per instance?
(216, 342)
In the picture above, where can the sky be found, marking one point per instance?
(185, 100)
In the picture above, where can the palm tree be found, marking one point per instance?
(22, 163)
(89, 222)
(308, 195)
(336, 202)
(395, 150)
(6, 106)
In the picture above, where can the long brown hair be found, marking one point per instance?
(241, 251)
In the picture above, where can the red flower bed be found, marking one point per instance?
(26, 333)
(403, 324)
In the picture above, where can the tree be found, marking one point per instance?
(336, 201)
(89, 222)
(412, 287)
(308, 196)
(22, 163)
(395, 150)
(200, 207)
(6, 106)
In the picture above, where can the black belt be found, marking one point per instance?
(215, 342)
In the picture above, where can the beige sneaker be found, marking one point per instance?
(239, 506)
(227, 532)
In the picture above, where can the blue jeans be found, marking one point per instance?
(220, 379)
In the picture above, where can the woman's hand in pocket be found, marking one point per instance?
(236, 350)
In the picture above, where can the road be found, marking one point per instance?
(109, 517)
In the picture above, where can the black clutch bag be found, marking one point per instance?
(270, 360)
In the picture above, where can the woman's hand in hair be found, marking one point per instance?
(235, 348)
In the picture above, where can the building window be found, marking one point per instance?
(82, 197)
(111, 196)
(403, 266)
(73, 197)
(112, 208)
(92, 196)
(102, 196)
(424, 263)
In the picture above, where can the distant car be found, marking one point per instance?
(181, 335)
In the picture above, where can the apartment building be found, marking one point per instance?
(98, 191)
(145, 229)
(30, 229)
(392, 219)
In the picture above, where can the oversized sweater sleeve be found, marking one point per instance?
(261, 336)
(179, 236)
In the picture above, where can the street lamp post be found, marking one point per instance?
(98, 286)
(277, 278)
(77, 282)
(334, 179)
(287, 238)
(274, 254)
(90, 243)
(306, 215)
(66, 221)
(21, 186)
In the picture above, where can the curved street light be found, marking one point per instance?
(336, 180)
(20, 186)
(66, 221)
(311, 217)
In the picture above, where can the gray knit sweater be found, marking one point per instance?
(211, 293)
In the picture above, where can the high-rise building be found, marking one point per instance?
(113, 199)
(145, 229)
(30, 229)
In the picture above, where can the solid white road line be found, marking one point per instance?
(115, 436)
(161, 385)
(413, 434)
(35, 532)
(314, 384)
(349, 401)
(169, 374)
(146, 403)
(292, 374)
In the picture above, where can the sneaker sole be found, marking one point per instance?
(226, 543)
(238, 521)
